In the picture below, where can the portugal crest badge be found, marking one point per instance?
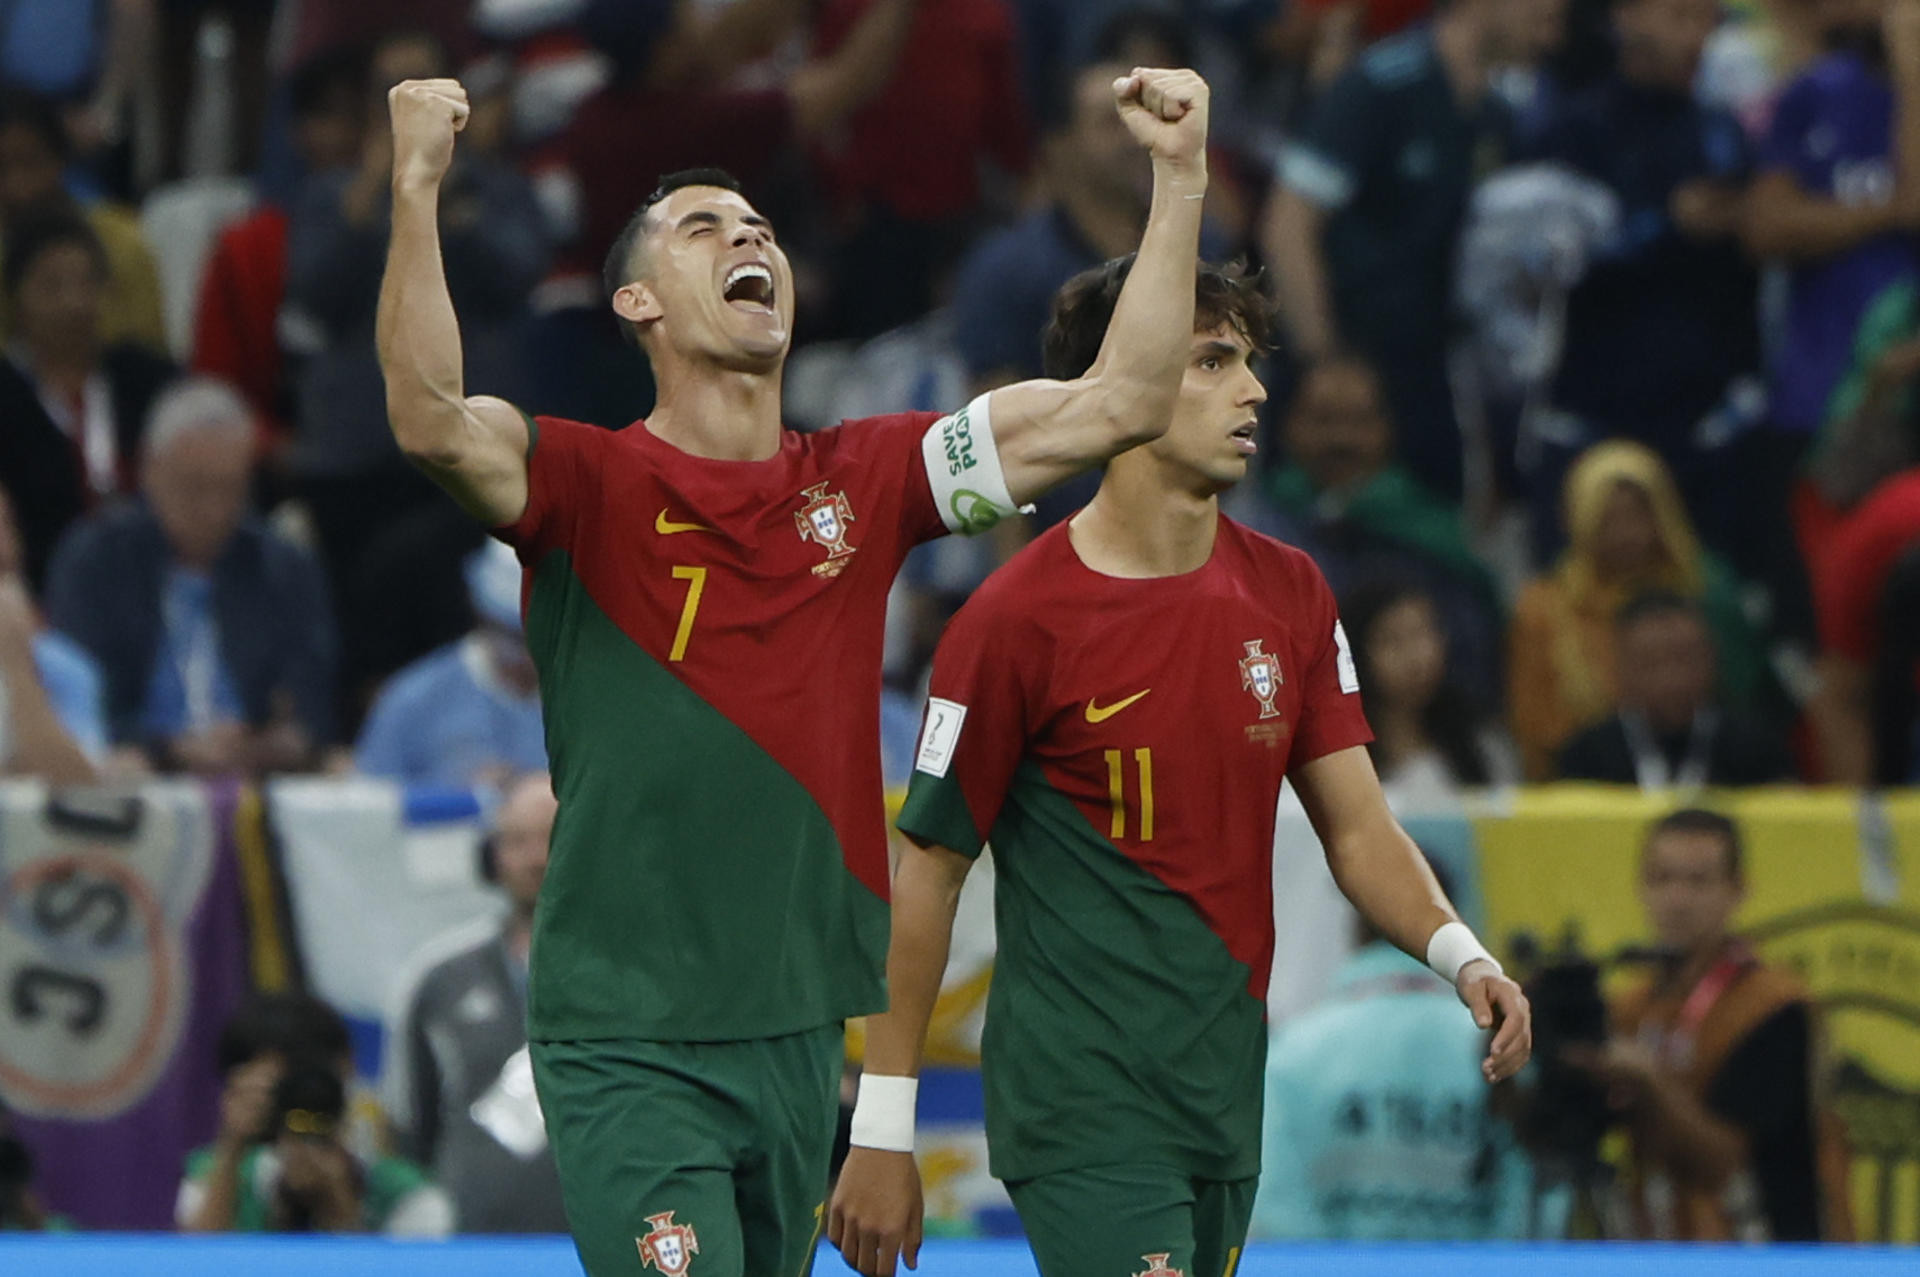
(1157, 1264)
(824, 519)
(1260, 674)
(670, 1247)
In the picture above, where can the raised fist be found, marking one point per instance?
(426, 114)
(1166, 111)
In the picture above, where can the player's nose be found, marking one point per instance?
(748, 234)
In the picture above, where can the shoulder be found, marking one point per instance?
(1274, 560)
(113, 532)
(858, 437)
(1016, 597)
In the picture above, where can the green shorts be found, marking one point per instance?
(707, 1158)
(1143, 1221)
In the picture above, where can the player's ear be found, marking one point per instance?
(636, 303)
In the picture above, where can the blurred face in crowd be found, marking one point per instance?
(1094, 153)
(1689, 889)
(1522, 32)
(1212, 435)
(198, 483)
(1406, 653)
(404, 57)
(328, 134)
(1627, 541)
(1338, 431)
(1666, 667)
(710, 283)
(520, 845)
(1661, 40)
(57, 309)
(29, 168)
(1855, 21)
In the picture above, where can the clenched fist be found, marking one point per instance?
(1166, 111)
(426, 114)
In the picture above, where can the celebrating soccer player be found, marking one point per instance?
(706, 604)
(1114, 711)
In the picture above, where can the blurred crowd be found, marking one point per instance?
(1594, 398)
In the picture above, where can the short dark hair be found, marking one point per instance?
(340, 69)
(1155, 26)
(289, 1024)
(1699, 820)
(39, 233)
(1649, 603)
(1083, 308)
(22, 109)
(614, 275)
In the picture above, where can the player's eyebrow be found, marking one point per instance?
(1216, 349)
(699, 216)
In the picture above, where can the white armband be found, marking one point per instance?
(1452, 947)
(883, 1113)
(963, 468)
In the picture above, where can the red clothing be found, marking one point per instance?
(234, 336)
(1859, 555)
(954, 99)
(1382, 17)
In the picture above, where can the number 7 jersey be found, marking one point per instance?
(1121, 743)
(708, 637)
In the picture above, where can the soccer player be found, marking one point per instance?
(705, 605)
(1114, 710)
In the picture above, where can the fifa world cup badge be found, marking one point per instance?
(1260, 674)
(824, 519)
(1157, 1264)
(670, 1247)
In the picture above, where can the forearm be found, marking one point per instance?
(418, 335)
(1292, 246)
(41, 745)
(1380, 870)
(926, 894)
(1785, 222)
(1697, 1146)
(1841, 728)
(222, 1192)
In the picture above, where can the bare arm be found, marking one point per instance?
(1048, 431)
(1841, 723)
(1382, 872)
(1290, 238)
(1786, 222)
(876, 1211)
(476, 447)
(828, 90)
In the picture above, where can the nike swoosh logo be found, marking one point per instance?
(1097, 713)
(666, 528)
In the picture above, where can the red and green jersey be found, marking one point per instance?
(1121, 743)
(708, 635)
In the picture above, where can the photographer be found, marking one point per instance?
(1712, 1061)
(280, 1161)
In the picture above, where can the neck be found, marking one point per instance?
(1694, 967)
(720, 414)
(1141, 525)
(1110, 227)
(61, 368)
(1462, 45)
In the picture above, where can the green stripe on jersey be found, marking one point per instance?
(1119, 1028)
(695, 891)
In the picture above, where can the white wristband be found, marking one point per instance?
(883, 1114)
(1452, 947)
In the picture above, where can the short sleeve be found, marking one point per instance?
(562, 474)
(891, 458)
(1331, 718)
(972, 738)
(1327, 163)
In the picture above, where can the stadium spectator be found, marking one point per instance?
(1713, 1062)
(1342, 497)
(73, 402)
(468, 714)
(1662, 336)
(1668, 732)
(1377, 1125)
(248, 24)
(212, 632)
(34, 151)
(235, 332)
(345, 466)
(279, 1161)
(51, 722)
(1836, 202)
(1627, 533)
(1364, 221)
(21, 1210)
(1429, 739)
(1850, 582)
(459, 1080)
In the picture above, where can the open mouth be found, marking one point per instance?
(1243, 439)
(749, 287)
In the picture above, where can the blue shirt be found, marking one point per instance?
(1833, 134)
(73, 687)
(191, 686)
(445, 720)
(1376, 1122)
